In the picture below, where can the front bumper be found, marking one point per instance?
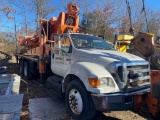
(116, 101)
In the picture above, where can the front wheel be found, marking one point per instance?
(79, 102)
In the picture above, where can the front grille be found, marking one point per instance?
(141, 80)
(137, 67)
(142, 71)
(143, 77)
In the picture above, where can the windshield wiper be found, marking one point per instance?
(90, 47)
(102, 48)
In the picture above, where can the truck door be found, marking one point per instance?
(61, 60)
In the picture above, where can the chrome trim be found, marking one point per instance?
(125, 94)
(143, 78)
(115, 65)
(125, 73)
(114, 70)
(120, 83)
(142, 70)
(135, 63)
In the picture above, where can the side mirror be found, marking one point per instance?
(57, 44)
(115, 46)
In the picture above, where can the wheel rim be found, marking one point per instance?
(75, 101)
(25, 69)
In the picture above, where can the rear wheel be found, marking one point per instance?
(79, 102)
(27, 73)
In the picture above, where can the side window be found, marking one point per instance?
(65, 44)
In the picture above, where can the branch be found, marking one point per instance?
(7, 10)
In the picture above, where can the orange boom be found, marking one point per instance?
(40, 43)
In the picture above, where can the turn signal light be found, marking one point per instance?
(94, 82)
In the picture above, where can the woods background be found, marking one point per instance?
(99, 17)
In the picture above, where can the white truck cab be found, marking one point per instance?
(96, 77)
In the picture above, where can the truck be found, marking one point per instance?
(82, 68)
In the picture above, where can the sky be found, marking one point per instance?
(155, 4)
(7, 25)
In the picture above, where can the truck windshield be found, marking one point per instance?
(81, 41)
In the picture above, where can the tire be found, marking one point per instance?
(21, 67)
(27, 73)
(78, 100)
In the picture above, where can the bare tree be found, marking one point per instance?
(153, 22)
(41, 8)
(138, 12)
(101, 19)
(6, 10)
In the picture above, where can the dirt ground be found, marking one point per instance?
(33, 89)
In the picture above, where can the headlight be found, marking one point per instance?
(107, 81)
(102, 82)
